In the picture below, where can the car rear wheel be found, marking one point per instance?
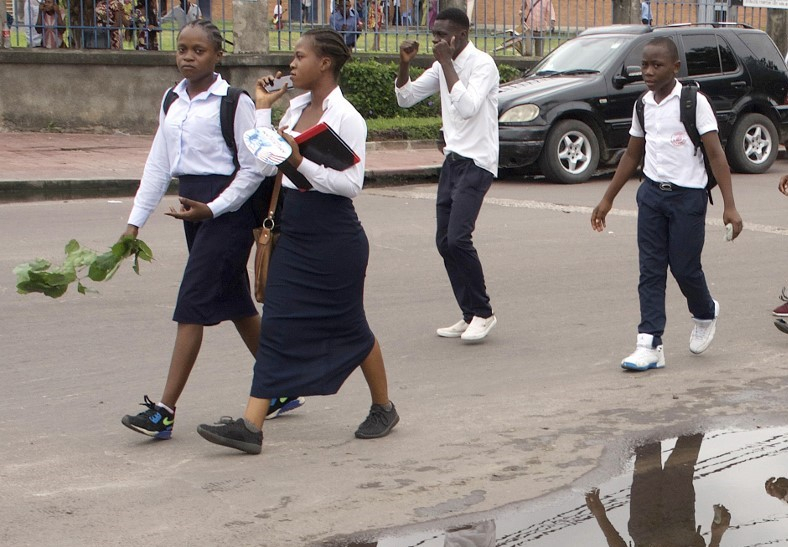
(752, 146)
(571, 152)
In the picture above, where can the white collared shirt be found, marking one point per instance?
(670, 154)
(345, 120)
(469, 111)
(189, 141)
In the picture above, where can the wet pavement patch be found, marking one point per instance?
(726, 488)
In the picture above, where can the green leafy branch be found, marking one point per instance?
(39, 275)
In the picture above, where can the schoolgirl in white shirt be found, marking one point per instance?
(217, 214)
(314, 330)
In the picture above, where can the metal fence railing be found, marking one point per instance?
(380, 25)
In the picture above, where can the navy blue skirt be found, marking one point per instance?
(314, 330)
(215, 285)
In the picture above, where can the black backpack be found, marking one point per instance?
(687, 109)
(262, 196)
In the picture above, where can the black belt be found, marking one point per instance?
(664, 186)
(454, 156)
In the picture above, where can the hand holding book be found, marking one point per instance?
(320, 144)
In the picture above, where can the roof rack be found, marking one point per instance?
(721, 24)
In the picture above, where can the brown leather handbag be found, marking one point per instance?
(265, 238)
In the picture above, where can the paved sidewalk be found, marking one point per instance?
(38, 160)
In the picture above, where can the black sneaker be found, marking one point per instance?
(155, 422)
(379, 423)
(238, 434)
(281, 405)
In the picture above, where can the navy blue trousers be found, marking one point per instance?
(671, 233)
(461, 190)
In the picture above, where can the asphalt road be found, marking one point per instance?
(540, 405)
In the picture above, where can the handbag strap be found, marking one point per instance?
(274, 196)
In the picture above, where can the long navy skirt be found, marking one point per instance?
(314, 330)
(215, 285)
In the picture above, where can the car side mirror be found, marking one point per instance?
(633, 73)
(629, 74)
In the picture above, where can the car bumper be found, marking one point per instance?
(519, 146)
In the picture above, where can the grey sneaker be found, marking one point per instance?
(238, 434)
(379, 422)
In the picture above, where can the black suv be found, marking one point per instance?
(573, 110)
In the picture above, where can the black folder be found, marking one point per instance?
(322, 145)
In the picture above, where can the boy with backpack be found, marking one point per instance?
(672, 202)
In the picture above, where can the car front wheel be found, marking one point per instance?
(752, 146)
(571, 152)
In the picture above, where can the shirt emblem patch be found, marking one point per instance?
(678, 138)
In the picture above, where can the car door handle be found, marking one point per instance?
(738, 84)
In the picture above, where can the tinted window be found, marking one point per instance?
(729, 63)
(702, 55)
(763, 49)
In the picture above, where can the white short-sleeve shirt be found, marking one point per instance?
(670, 154)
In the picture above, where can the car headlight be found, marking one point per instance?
(521, 113)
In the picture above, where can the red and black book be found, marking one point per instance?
(322, 145)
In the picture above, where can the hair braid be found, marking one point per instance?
(329, 43)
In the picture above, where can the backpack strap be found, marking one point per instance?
(640, 111)
(688, 114)
(227, 119)
(169, 98)
(689, 104)
(229, 105)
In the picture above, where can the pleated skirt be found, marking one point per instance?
(215, 284)
(314, 329)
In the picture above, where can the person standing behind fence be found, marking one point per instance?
(375, 23)
(467, 80)
(50, 25)
(346, 22)
(218, 216)
(539, 20)
(645, 12)
(31, 9)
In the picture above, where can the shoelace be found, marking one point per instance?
(784, 296)
(150, 404)
(376, 415)
(225, 420)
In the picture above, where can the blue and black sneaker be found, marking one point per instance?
(155, 422)
(281, 405)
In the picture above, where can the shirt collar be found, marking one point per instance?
(218, 87)
(465, 54)
(301, 101)
(675, 92)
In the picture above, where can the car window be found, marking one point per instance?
(763, 49)
(729, 63)
(701, 54)
(584, 53)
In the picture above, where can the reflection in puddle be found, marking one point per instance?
(723, 488)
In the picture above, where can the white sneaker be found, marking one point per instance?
(645, 357)
(479, 328)
(703, 332)
(455, 331)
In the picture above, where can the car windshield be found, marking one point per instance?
(582, 55)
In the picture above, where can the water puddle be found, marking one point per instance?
(726, 488)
